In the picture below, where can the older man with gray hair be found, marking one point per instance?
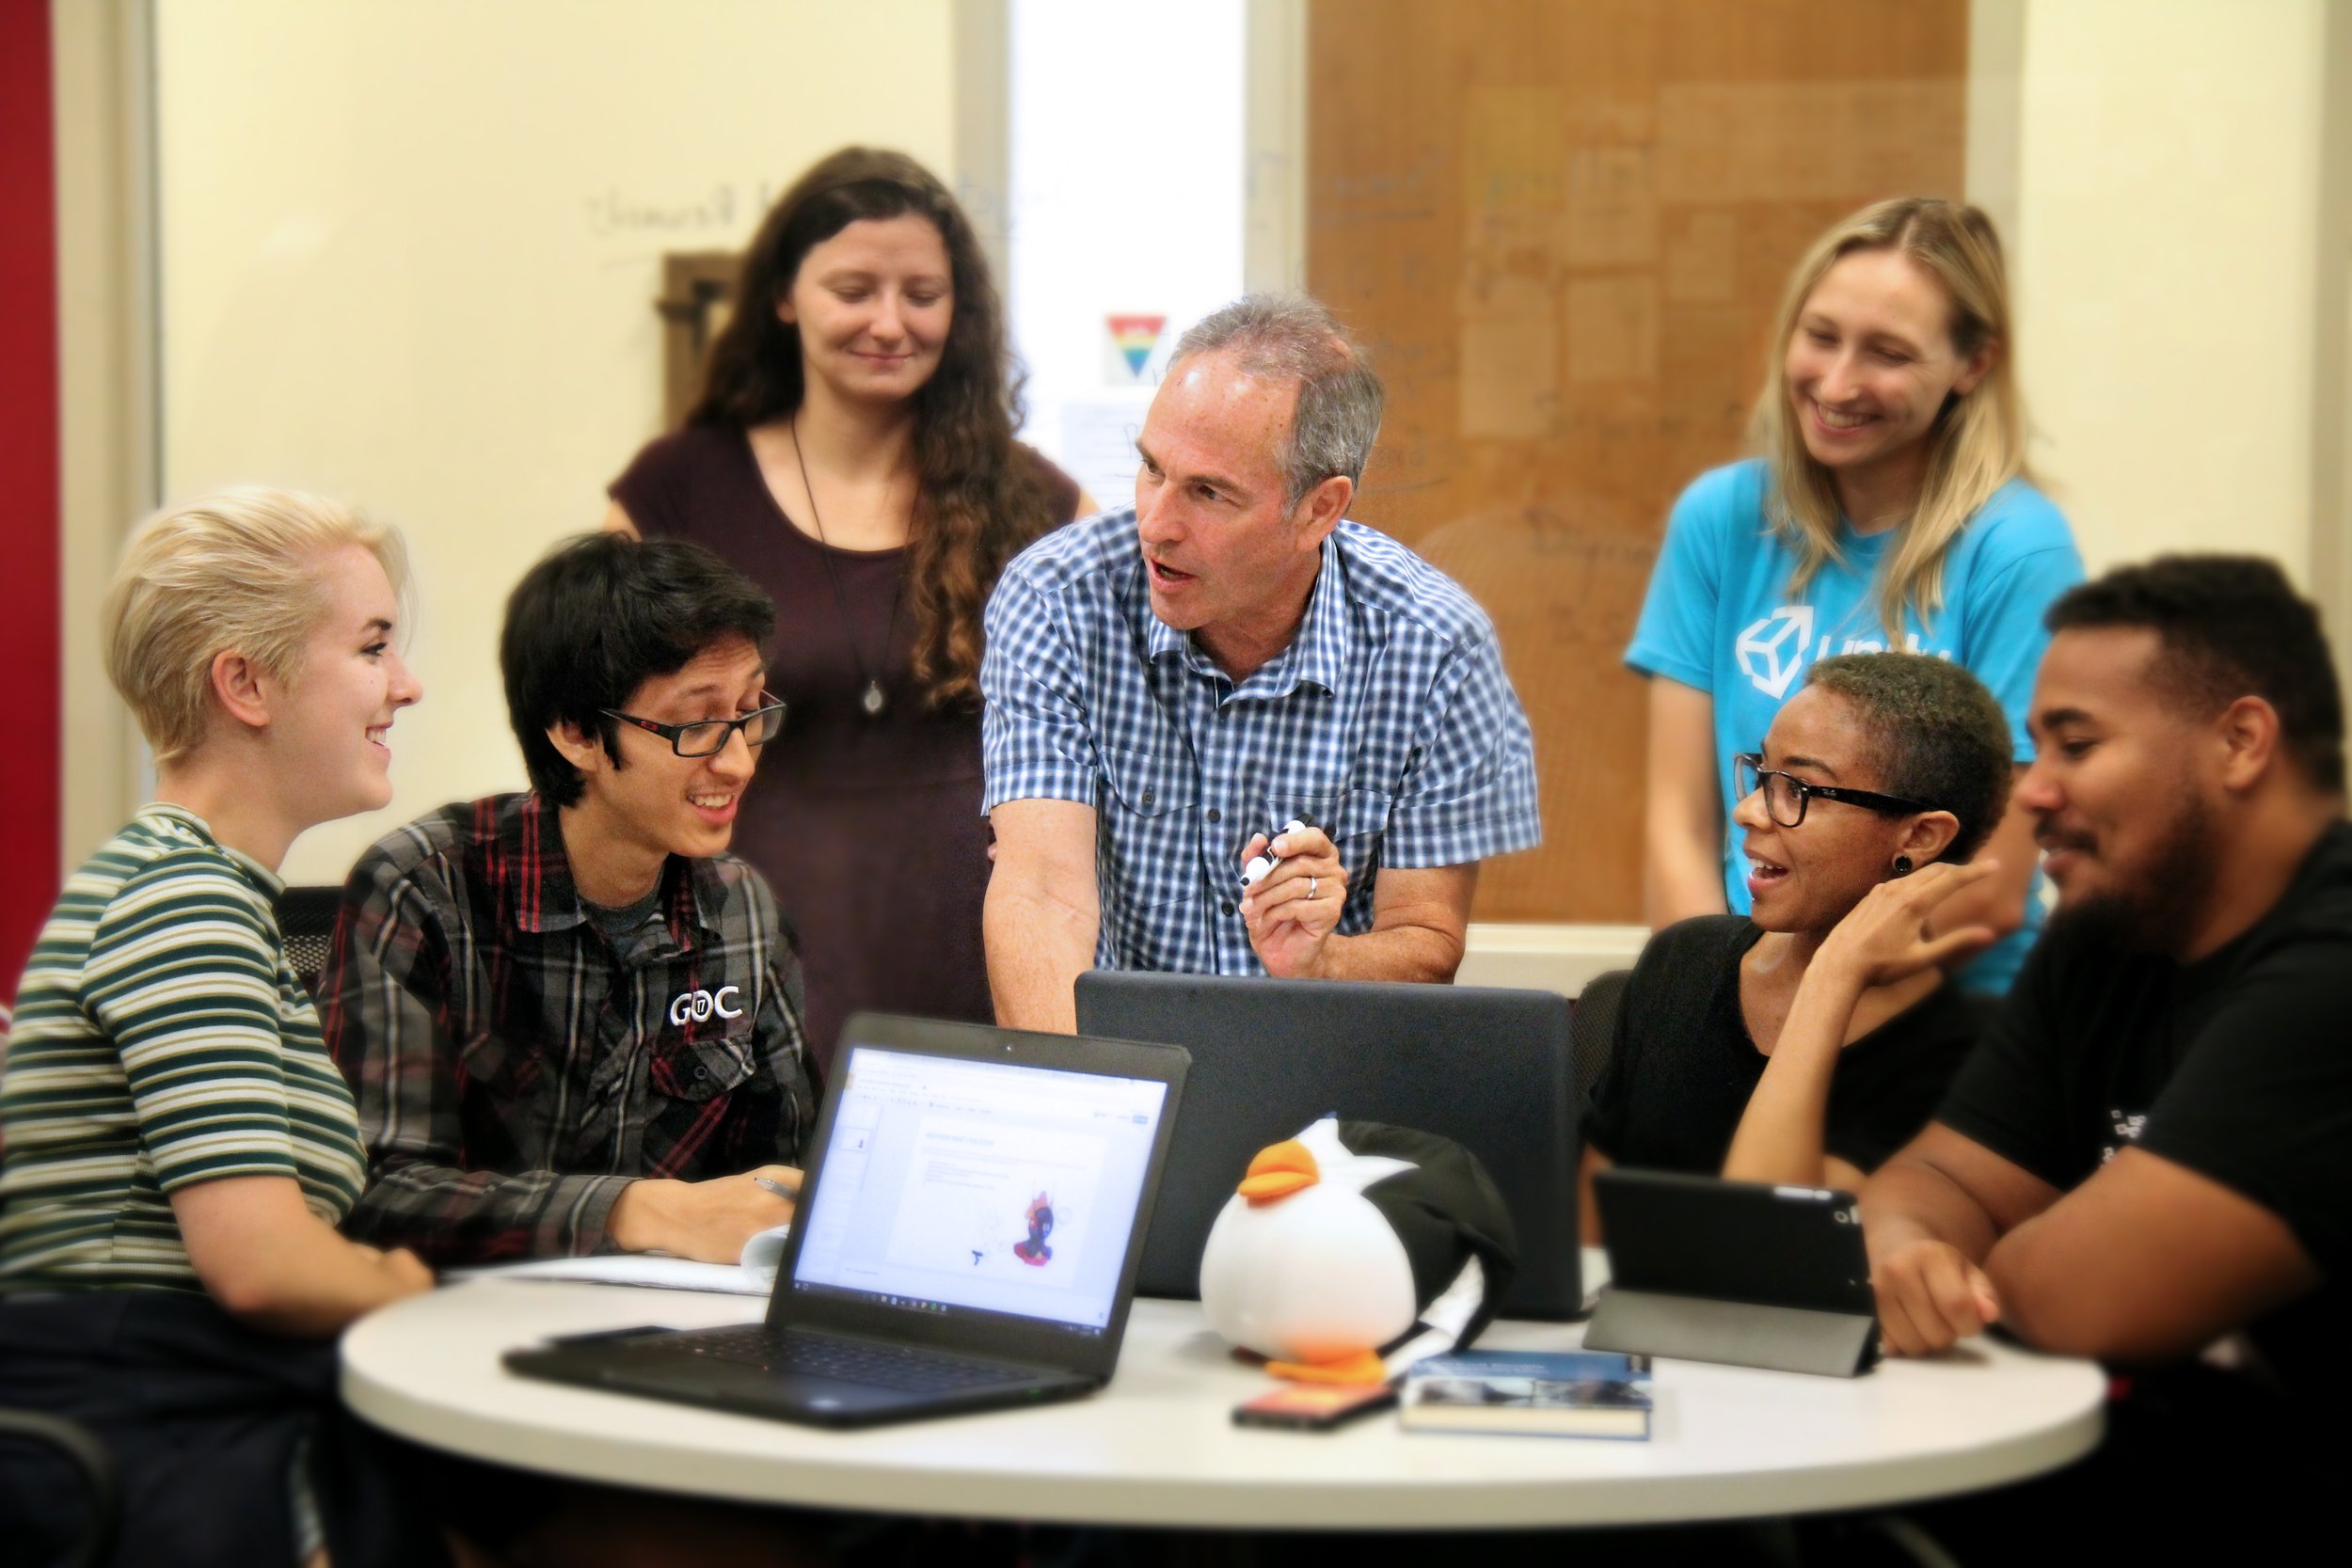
(1171, 687)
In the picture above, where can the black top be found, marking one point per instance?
(2237, 1067)
(1683, 1064)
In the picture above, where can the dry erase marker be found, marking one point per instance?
(1255, 872)
(775, 1186)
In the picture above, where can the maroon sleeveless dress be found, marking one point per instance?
(870, 829)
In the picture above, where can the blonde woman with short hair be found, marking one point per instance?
(176, 1148)
(1888, 506)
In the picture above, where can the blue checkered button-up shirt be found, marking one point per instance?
(1387, 722)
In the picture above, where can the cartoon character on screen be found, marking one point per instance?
(1356, 1249)
(1034, 1251)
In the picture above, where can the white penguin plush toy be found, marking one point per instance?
(1340, 1241)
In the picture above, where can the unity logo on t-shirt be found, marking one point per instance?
(1774, 650)
(2127, 1126)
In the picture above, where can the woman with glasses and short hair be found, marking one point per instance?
(1807, 1041)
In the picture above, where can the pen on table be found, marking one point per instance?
(775, 1186)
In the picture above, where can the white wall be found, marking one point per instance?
(1128, 199)
(408, 250)
(2167, 189)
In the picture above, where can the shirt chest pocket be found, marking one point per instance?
(1146, 838)
(1357, 822)
(705, 1063)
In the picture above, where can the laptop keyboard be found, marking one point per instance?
(902, 1367)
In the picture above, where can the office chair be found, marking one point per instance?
(1593, 1027)
(305, 922)
(74, 1443)
(89, 1459)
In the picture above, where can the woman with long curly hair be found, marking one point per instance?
(852, 452)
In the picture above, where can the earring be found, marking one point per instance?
(1902, 865)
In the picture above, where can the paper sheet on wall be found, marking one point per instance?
(1613, 329)
(1098, 445)
(1510, 358)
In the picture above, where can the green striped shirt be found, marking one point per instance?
(161, 1040)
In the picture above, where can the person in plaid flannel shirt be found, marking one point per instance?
(569, 1017)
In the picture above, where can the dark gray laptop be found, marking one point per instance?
(1492, 1068)
(968, 1236)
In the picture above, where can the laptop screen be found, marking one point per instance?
(957, 1184)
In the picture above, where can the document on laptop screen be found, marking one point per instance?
(957, 1184)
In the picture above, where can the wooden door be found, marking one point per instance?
(1563, 226)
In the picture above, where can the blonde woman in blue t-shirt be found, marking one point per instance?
(1888, 507)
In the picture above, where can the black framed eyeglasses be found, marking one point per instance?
(707, 738)
(1786, 795)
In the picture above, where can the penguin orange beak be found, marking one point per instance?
(1279, 1170)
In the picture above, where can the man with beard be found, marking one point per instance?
(2150, 1154)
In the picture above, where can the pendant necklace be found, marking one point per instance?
(874, 701)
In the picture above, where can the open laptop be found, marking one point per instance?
(1492, 1068)
(967, 1238)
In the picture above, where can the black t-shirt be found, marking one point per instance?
(2237, 1067)
(1683, 1066)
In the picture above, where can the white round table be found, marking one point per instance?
(1158, 1447)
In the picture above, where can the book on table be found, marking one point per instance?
(1537, 1393)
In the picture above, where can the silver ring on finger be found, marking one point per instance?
(1313, 885)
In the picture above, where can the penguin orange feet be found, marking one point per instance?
(1364, 1367)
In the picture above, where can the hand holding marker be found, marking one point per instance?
(1261, 866)
(1290, 920)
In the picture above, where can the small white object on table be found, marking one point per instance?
(1158, 1447)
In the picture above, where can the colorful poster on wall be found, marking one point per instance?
(1133, 358)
